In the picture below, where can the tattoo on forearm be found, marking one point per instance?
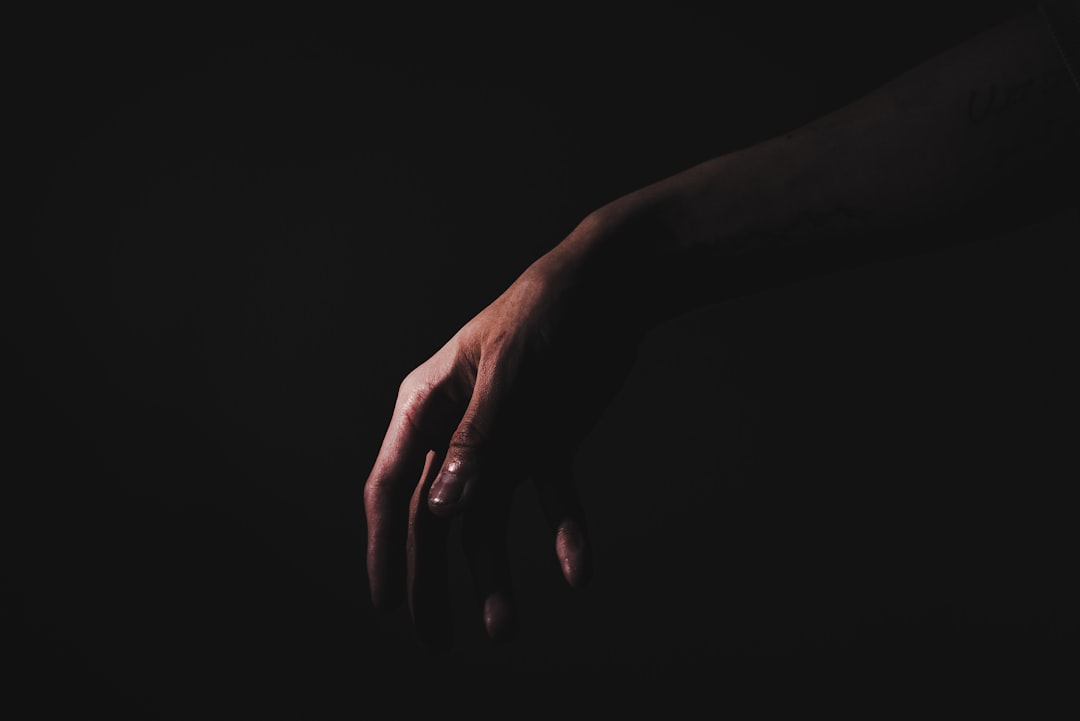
(987, 103)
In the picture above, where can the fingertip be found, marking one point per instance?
(573, 553)
(449, 491)
(577, 571)
(500, 618)
(441, 507)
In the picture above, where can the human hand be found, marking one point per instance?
(505, 401)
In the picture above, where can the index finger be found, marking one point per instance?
(387, 491)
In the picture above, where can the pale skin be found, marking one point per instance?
(981, 134)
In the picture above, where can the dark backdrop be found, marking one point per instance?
(245, 230)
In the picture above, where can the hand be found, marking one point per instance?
(506, 400)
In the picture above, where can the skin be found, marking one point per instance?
(978, 137)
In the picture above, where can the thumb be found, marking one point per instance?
(470, 446)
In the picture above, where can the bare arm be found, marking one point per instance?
(988, 131)
(984, 135)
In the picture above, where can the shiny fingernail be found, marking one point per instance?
(446, 490)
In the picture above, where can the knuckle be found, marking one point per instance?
(411, 383)
(413, 393)
(383, 488)
(468, 438)
(373, 491)
(376, 485)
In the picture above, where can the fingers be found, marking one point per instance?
(427, 577)
(565, 516)
(463, 468)
(475, 457)
(424, 417)
(413, 493)
(386, 496)
(484, 539)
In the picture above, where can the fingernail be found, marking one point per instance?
(446, 490)
(499, 617)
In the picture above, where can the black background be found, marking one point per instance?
(246, 229)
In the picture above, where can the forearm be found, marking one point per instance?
(984, 133)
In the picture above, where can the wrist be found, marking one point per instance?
(712, 208)
(619, 241)
(674, 244)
